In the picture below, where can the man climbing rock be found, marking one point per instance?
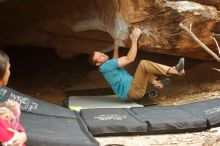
(123, 84)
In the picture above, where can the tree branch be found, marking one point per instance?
(200, 43)
(216, 45)
(216, 69)
(217, 35)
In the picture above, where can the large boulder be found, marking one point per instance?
(76, 26)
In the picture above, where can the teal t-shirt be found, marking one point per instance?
(117, 77)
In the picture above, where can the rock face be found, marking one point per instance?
(76, 26)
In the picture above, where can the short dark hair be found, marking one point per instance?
(4, 62)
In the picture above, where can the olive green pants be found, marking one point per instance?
(145, 74)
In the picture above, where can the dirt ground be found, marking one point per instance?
(42, 74)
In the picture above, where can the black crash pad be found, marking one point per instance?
(48, 124)
(209, 110)
(169, 119)
(46, 130)
(33, 105)
(112, 122)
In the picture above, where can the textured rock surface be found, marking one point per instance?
(75, 26)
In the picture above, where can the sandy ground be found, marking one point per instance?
(187, 139)
(48, 78)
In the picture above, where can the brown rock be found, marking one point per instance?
(75, 26)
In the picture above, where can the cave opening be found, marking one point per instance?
(41, 73)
